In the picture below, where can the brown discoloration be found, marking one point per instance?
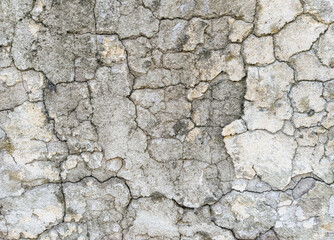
(6, 145)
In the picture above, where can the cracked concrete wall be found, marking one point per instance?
(166, 119)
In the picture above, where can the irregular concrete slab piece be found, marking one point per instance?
(272, 15)
(308, 67)
(297, 36)
(267, 84)
(271, 119)
(65, 16)
(140, 22)
(26, 156)
(26, 127)
(194, 34)
(325, 47)
(36, 47)
(12, 91)
(226, 105)
(35, 83)
(267, 155)
(31, 213)
(165, 149)
(251, 50)
(111, 49)
(236, 127)
(309, 119)
(234, 63)
(126, 19)
(198, 91)
(210, 64)
(197, 177)
(100, 206)
(171, 34)
(313, 221)
(154, 218)
(267, 90)
(10, 13)
(217, 33)
(321, 9)
(307, 97)
(247, 214)
(303, 163)
(198, 224)
(189, 8)
(239, 30)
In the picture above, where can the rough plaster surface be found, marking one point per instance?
(166, 119)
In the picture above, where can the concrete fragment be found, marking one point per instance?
(273, 15)
(297, 36)
(251, 50)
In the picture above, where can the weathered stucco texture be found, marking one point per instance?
(167, 119)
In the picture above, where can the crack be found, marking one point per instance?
(128, 181)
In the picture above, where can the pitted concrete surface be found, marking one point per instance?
(167, 119)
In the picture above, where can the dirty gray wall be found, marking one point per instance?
(166, 119)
